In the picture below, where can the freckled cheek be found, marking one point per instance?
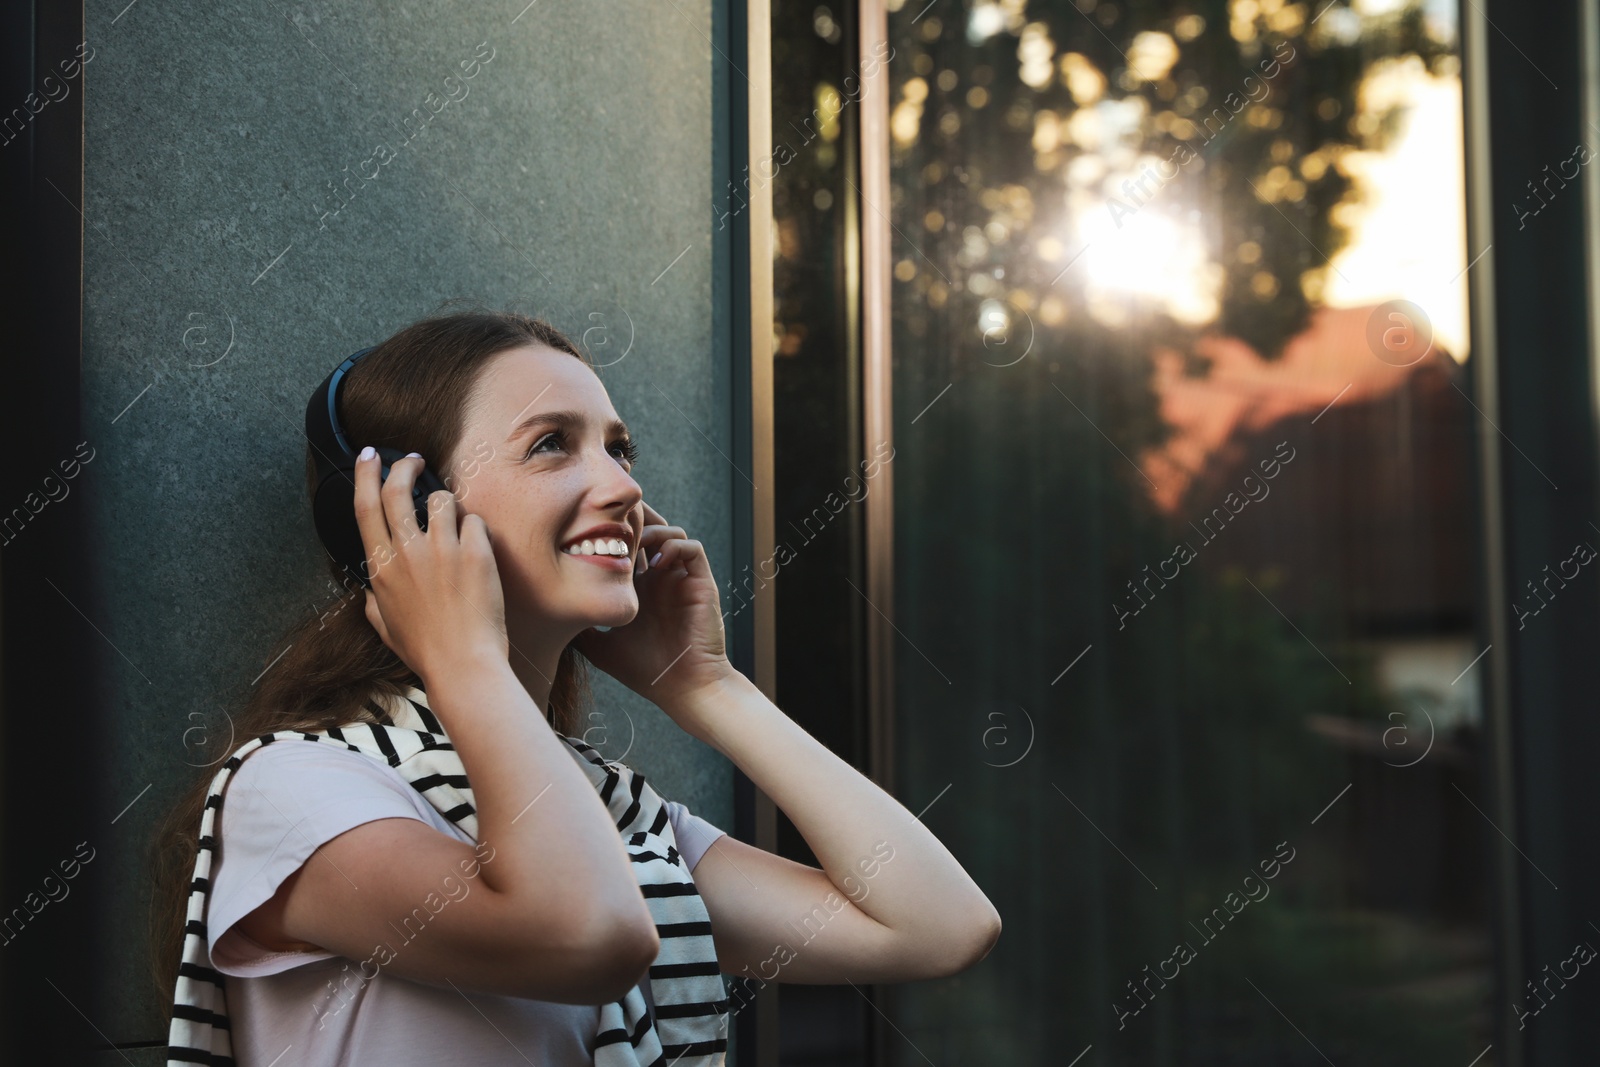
(518, 509)
(526, 518)
(532, 577)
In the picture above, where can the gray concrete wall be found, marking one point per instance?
(571, 176)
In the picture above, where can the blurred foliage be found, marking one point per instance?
(1260, 186)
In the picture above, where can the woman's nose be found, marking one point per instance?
(617, 485)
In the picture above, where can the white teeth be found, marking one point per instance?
(610, 546)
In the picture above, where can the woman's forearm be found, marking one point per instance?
(554, 841)
(920, 892)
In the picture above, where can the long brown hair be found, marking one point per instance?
(410, 392)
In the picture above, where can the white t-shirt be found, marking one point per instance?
(310, 1009)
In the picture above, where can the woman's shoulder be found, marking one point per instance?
(294, 778)
(295, 750)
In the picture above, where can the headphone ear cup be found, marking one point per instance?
(333, 512)
(425, 483)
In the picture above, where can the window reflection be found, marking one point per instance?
(1185, 535)
(818, 510)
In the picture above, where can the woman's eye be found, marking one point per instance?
(553, 436)
(628, 449)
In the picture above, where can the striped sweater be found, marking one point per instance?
(685, 1026)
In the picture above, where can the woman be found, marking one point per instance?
(540, 920)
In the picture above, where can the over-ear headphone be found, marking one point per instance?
(333, 499)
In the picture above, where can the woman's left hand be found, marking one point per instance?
(675, 645)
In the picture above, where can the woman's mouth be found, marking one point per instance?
(608, 552)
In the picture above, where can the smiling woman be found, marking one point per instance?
(466, 666)
(426, 388)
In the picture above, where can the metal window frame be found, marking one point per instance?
(877, 405)
(877, 384)
(1493, 583)
(753, 645)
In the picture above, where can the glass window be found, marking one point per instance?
(1185, 531)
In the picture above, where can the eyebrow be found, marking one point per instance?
(566, 419)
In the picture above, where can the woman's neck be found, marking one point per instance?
(535, 655)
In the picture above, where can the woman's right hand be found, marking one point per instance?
(436, 598)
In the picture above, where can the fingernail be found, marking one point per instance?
(367, 453)
(654, 558)
(418, 455)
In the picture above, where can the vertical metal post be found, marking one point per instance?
(751, 172)
(1496, 630)
(877, 402)
(877, 392)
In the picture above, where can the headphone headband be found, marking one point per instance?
(331, 391)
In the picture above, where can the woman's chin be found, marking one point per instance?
(622, 609)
